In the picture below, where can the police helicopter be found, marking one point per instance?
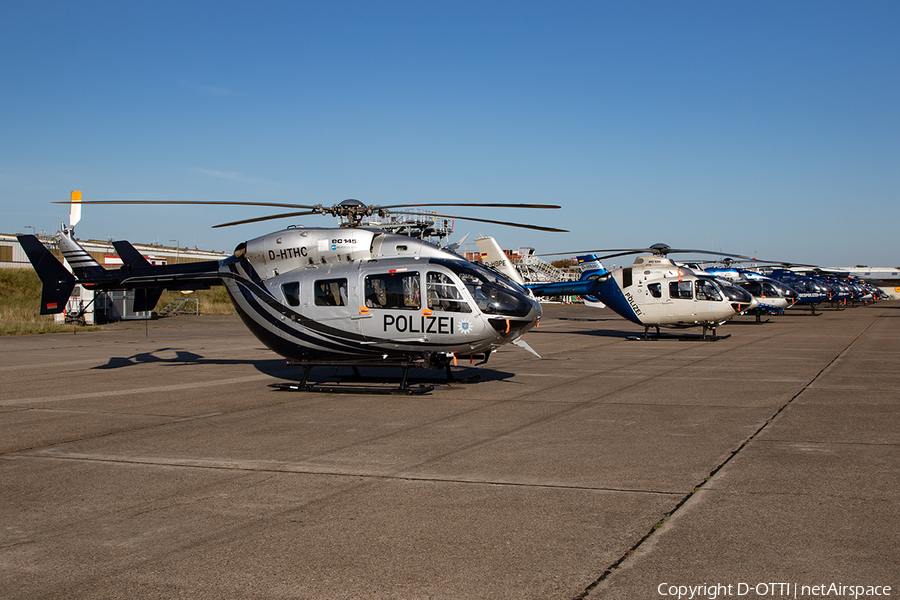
(811, 291)
(348, 296)
(654, 292)
(773, 297)
(857, 290)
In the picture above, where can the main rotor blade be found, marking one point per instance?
(684, 250)
(268, 218)
(669, 251)
(318, 209)
(522, 225)
(228, 202)
(483, 204)
(578, 252)
(289, 205)
(622, 253)
(626, 251)
(781, 263)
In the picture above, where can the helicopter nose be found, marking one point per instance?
(512, 327)
(741, 307)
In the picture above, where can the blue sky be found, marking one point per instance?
(749, 127)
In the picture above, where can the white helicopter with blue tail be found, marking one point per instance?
(654, 291)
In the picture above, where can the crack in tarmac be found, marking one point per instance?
(704, 485)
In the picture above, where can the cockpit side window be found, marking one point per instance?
(681, 289)
(706, 291)
(331, 292)
(769, 289)
(655, 289)
(753, 287)
(443, 295)
(398, 290)
(291, 293)
(493, 293)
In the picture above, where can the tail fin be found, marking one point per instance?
(590, 265)
(83, 264)
(129, 254)
(57, 282)
(144, 298)
(591, 268)
(494, 257)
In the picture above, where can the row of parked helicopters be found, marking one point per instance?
(658, 292)
(360, 296)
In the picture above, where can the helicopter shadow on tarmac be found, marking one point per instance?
(671, 335)
(179, 357)
(612, 333)
(277, 368)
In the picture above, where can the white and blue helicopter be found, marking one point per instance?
(654, 291)
(347, 296)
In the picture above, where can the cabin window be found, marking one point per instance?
(331, 292)
(655, 290)
(291, 293)
(443, 295)
(680, 289)
(399, 290)
(707, 291)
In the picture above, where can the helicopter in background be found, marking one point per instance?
(346, 296)
(773, 297)
(654, 292)
(846, 291)
(860, 290)
(811, 291)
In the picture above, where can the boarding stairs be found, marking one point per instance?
(536, 270)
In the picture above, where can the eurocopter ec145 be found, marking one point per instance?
(351, 295)
(654, 291)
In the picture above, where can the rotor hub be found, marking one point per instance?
(351, 212)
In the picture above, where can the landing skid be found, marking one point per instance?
(704, 337)
(759, 319)
(351, 389)
(404, 384)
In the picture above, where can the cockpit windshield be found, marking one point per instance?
(706, 291)
(493, 293)
(734, 293)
